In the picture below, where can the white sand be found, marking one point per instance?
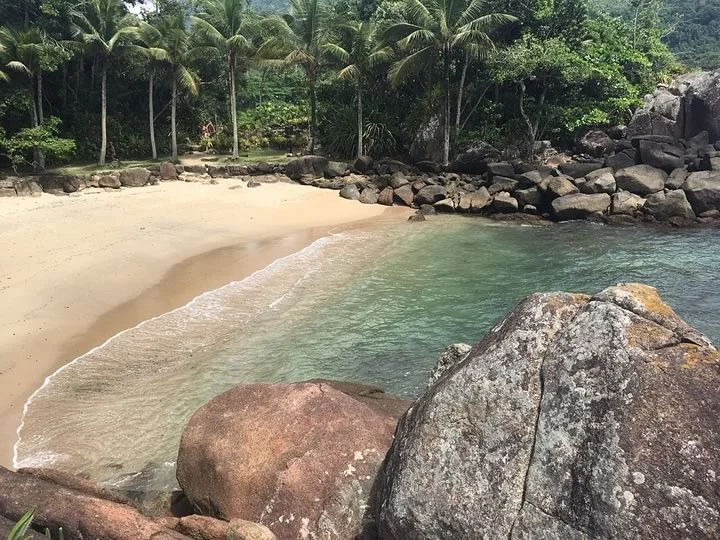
(76, 270)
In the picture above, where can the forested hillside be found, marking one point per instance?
(91, 80)
(692, 27)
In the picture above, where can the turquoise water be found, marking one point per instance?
(369, 306)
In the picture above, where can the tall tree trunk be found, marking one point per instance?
(41, 116)
(360, 149)
(173, 130)
(446, 120)
(461, 90)
(34, 120)
(64, 85)
(313, 117)
(233, 110)
(151, 115)
(103, 115)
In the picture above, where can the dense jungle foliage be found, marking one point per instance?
(108, 80)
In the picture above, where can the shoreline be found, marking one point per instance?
(53, 339)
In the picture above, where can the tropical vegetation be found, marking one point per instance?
(107, 80)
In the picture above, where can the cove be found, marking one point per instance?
(371, 305)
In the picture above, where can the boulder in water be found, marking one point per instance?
(663, 206)
(703, 191)
(575, 417)
(299, 458)
(579, 206)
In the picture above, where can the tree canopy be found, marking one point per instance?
(341, 77)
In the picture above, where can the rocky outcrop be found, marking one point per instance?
(299, 459)
(313, 166)
(596, 143)
(576, 417)
(683, 109)
(663, 206)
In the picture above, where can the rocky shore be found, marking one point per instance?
(575, 417)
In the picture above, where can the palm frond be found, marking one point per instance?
(410, 65)
(187, 80)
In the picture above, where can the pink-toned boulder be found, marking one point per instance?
(81, 516)
(298, 458)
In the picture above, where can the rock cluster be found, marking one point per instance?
(575, 417)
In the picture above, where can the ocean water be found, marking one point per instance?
(374, 306)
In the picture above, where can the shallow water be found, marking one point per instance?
(368, 306)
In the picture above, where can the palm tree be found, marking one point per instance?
(365, 51)
(168, 43)
(434, 32)
(103, 27)
(228, 28)
(299, 39)
(25, 51)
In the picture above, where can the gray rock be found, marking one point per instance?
(529, 196)
(604, 183)
(335, 169)
(167, 171)
(135, 177)
(417, 217)
(682, 109)
(703, 191)
(451, 356)
(430, 195)
(568, 421)
(596, 143)
(427, 210)
(476, 201)
(501, 168)
(475, 160)
(446, 205)
(363, 164)
(662, 206)
(253, 184)
(530, 209)
(505, 203)
(369, 196)
(641, 179)
(350, 192)
(666, 157)
(531, 178)
(398, 180)
(622, 159)
(238, 170)
(198, 169)
(626, 203)
(577, 169)
(676, 179)
(501, 183)
(579, 206)
(108, 181)
(217, 171)
(312, 166)
(560, 187)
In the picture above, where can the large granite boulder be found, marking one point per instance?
(306, 166)
(475, 202)
(578, 169)
(350, 192)
(683, 109)
(575, 418)
(600, 181)
(404, 195)
(662, 206)
(703, 191)
(299, 458)
(559, 186)
(641, 179)
(500, 168)
(580, 206)
(168, 171)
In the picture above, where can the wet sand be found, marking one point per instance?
(75, 271)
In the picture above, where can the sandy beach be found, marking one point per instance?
(74, 271)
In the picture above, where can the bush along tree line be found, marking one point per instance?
(105, 80)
